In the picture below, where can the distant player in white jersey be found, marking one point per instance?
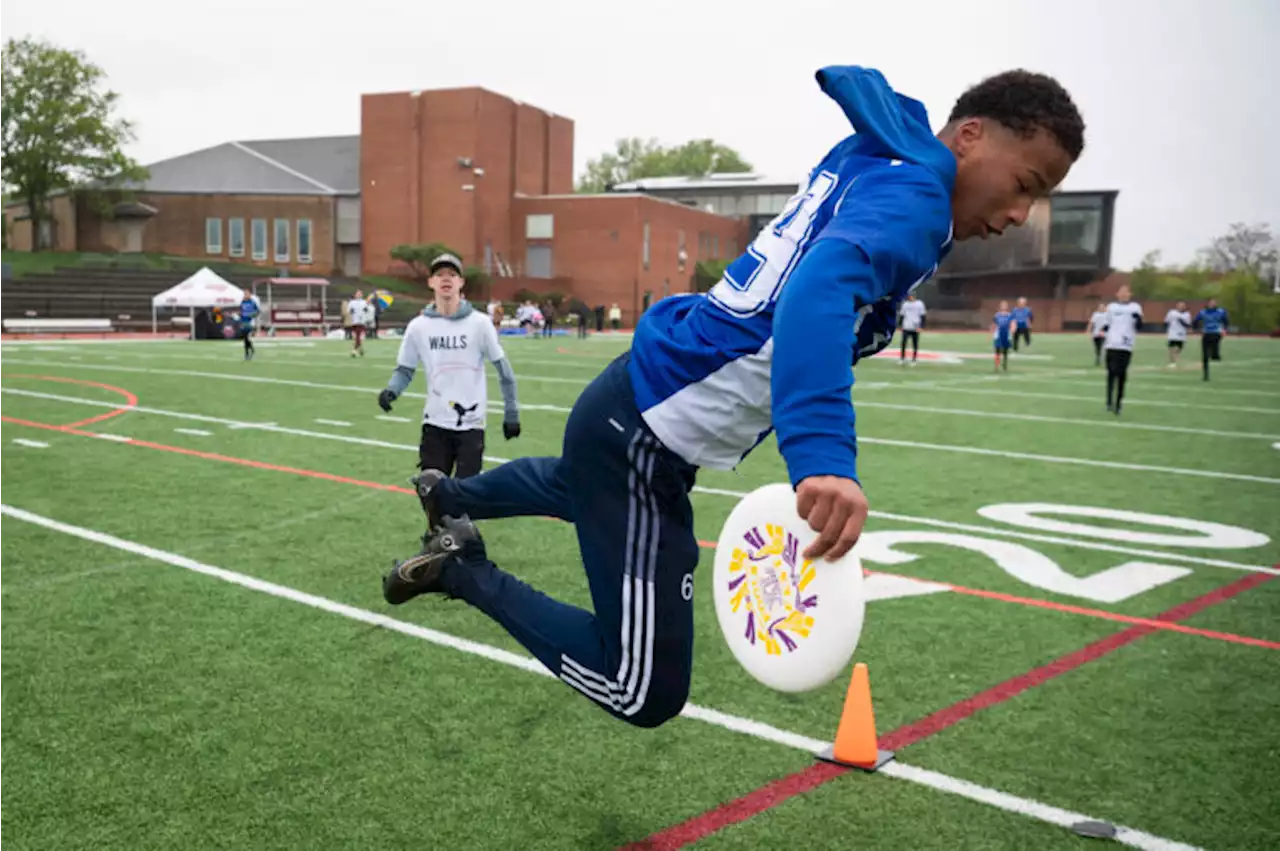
(912, 316)
(1176, 322)
(452, 341)
(358, 309)
(1124, 320)
(1098, 331)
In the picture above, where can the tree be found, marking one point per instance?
(60, 128)
(1242, 248)
(420, 257)
(635, 158)
(1145, 280)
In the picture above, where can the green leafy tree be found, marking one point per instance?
(635, 158)
(419, 257)
(61, 131)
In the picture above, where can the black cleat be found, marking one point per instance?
(421, 573)
(425, 483)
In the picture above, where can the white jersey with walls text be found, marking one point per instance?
(1122, 325)
(1098, 323)
(1176, 324)
(912, 315)
(453, 352)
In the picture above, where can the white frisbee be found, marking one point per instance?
(791, 623)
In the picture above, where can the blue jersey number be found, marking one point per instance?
(751, 282)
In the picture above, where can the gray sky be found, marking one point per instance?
(1175, 94)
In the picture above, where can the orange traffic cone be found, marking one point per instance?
(855, 744)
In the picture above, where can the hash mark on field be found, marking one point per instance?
(238, 426)
(198, 432)
(388, 418)
(34, 444)
(341, 423)
(119, 438)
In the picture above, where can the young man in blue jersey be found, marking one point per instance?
(1213, 322)
(709, 376)
(1001, 326)
(1021, 323)
(249, 311)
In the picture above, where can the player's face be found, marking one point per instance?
(1123, 294)
(1004, 305)
(1213, 302)
(446, 282)
(1000, 174)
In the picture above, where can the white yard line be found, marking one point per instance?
(32, 444)
(1100, 423)
(1203, 390)
(733, 723)
(1094, 400)
(493, 459)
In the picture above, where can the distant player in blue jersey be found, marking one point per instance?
(1021, 323)
(249, 312)
(1212, 320)
(1001, 327)
(709, 376)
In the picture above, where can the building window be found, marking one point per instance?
(235, 237)
(304, 240)
(541, 226)
(213, 236)
(645, 250)
(259, 239)
(282, 241)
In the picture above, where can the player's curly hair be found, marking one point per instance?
(1025, 102)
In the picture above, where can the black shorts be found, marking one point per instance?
(457, 453)
(1212, 346)
(1175, 344)
(1118, 360)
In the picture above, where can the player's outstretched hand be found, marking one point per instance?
(836, 509)
(385, 398)
(510, 430)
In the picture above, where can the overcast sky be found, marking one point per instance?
(1179, 95)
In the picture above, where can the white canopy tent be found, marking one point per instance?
(205, 288)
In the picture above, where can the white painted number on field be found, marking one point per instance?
(1203, 534)
(1023, 563)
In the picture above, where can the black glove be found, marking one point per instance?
(510, 430)
(385, 398)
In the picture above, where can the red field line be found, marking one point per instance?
(778, 791)
(131, 401)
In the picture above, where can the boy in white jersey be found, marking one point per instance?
(357, 308)
(1176, 322)
(1124, 320)
(452, 341)
(912, 314)
(1097, 329)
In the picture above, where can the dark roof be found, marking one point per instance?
(318, 166)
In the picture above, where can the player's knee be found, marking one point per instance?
(665, 699)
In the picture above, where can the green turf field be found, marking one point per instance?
(199, 655)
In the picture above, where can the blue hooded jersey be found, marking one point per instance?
(1214, 319)
(772, 344)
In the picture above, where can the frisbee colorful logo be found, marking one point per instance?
(767, 580)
